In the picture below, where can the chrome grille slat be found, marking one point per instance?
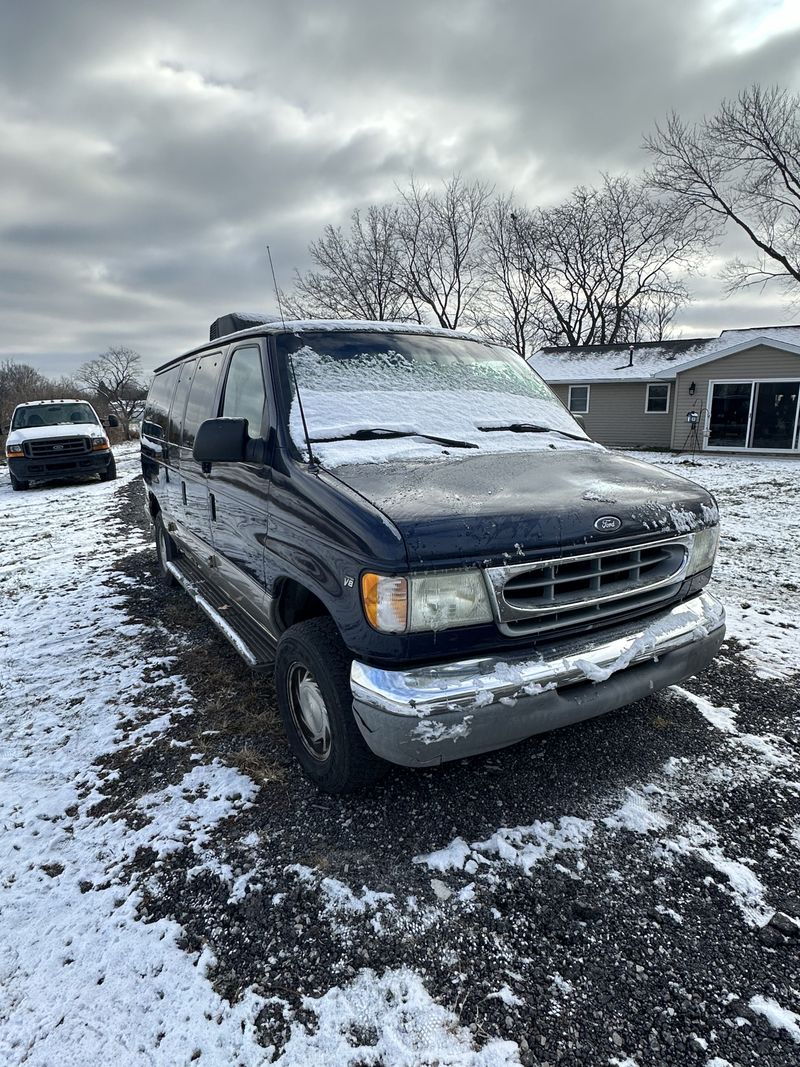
(586, 588)
(594, 613)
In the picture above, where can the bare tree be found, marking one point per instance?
(360, 273)
(741, 167)
(608, 264)
(505, 308)
(441, 237)
(19, 382)
(115, 377)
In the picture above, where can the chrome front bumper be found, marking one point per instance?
(425, 715)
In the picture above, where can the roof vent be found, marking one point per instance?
(235, 321)
(630, 356)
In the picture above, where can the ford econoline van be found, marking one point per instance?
(408, 527)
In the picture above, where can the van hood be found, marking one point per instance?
(502, 508)
(66, 429)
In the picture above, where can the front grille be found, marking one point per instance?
(45, 447)
(589, 590)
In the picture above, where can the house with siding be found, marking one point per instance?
(739, 392)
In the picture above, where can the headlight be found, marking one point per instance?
(435, 600)
(14, 451)
(100, 444)
(703, 549)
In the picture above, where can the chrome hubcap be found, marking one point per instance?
(309, 713)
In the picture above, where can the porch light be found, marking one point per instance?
(692, 389)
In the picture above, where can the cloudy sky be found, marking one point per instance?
(149, 152)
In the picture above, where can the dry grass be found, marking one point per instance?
(256, 765)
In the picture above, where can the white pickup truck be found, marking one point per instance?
(50, 440)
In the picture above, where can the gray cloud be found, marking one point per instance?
(148, 157)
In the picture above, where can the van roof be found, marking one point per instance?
(323, 326)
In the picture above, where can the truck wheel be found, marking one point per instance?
(165, 551)
(18, 484)
(110, 473)
(312, 681)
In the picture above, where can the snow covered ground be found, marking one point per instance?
(757, 574)
(171, 891)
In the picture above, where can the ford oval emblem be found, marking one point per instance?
(607, 524)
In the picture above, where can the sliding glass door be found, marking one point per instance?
(729, 414)
(754, 415)
(774, 415)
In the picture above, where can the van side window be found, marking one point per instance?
(245, 394)
(156, 410)
(201, 397)
(179, 400)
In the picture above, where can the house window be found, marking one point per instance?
(657, 399)
(578, 402)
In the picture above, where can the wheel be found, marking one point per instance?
(18, 484)
(110, 473)
(165, 551)
(312, 682)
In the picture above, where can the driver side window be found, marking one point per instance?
(245, 393)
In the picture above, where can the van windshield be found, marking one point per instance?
(52, 415)
(372, 396)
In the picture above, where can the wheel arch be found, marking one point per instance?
(295, 602)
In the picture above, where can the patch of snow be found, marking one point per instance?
(429, 731)
(520, 846)
(636, 815)
(741, 884)
(670, 913)
(562, 985)
(779, 1018)
(723, 718)
(387, 1019)
(505, 994)
(525, 846)
(441, 890)
(338, 896)
(451, 857)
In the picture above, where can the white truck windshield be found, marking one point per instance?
(52, 415)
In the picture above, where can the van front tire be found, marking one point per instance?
(312, 682)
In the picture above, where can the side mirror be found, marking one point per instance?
(221, 441)
(113, 422)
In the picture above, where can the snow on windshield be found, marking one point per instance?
(459, 396)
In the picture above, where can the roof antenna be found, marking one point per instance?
(313, 462)
(277, 291)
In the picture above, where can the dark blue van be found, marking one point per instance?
(409, 527)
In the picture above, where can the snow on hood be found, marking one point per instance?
(65, 429)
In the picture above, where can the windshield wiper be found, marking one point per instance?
(529, 427)
(376, 433)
